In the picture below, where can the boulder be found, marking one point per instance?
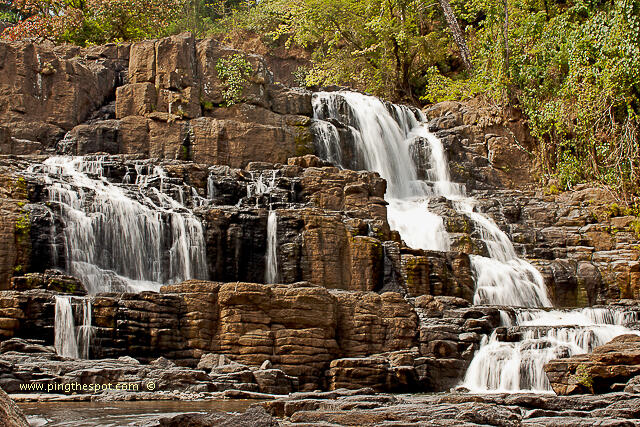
(252, 417)
(10, 414)
(25, 346)
(633, 385)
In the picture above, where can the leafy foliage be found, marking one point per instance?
(92, 21)
(383, 47)
(574, 69)
(234, 72)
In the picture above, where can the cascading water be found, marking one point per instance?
(382, 140)
(382, 134)
(69, 340)
(85, 330)
(545, 335)
(127, 237)
(271, 270)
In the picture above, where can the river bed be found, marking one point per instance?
(131, 413)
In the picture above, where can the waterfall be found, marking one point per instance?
(382, 134)
(65, 328)
(85, 330)
(126, 237)
(383, 142)
(72, 341)
(271, 270)
(545, 335)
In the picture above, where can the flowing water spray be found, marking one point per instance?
(127, 237)
(65, 328)
(545, 335)
(381, 139)
(382, 134)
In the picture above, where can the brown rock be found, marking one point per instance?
(10, 414)
(135, 99)
(615, 362)
(42, 85)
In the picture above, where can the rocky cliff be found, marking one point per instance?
(353, 307)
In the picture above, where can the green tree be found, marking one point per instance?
(381, 46)
(93, 21)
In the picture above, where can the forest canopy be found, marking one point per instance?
(572, 66)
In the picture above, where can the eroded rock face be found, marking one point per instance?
(15, 245)
(170, 107)
(607, 368)
(299, 328)
(585, 256)
(47, 90)
(486, 148)
(324, 338)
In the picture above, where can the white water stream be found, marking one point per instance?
(127, 237)
(71, 340)
(271, 271)
(382, 134)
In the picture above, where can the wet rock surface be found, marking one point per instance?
(353, 308)
(611, 367)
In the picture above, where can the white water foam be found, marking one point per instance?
(545, 335)
(122, 237)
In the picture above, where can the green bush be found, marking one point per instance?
(234, 72)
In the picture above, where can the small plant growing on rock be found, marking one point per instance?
(583, 377)
(234, 72)
(552, 190)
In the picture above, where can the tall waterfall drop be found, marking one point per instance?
(69, 340)
(123, 237)
(381, 135)
(271, 270)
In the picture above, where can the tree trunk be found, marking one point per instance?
(458, 37)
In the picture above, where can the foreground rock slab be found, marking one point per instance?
(608, 368)
(43, 372)
(364, 408)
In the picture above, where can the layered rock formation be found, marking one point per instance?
(298, 328)
(608, 368)
(365, 408)
(581, 240)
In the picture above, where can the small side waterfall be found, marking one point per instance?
(271, 270)
(501, 366)
(65, 328)
(72, 341)
(123, 237)
(383, 133)
(85, 330)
